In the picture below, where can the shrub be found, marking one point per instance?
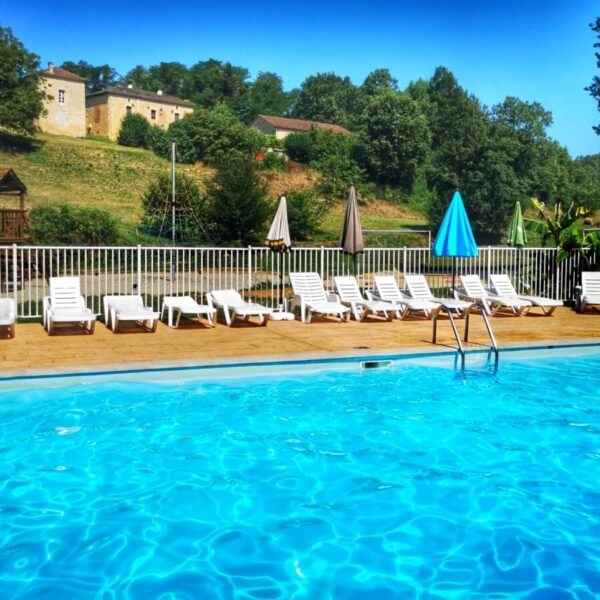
(157, 141)
(238, 206)
(273, 162)
(190, 209)
(305, 213)
(64, 224)
(134, 130)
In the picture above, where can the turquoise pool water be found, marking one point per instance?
(408, 482)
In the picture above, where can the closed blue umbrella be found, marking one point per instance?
(455, 236)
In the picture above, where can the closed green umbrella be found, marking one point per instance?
(516, 231)
(516, 235)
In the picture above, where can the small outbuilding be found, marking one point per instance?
(281, 127)
(14, 222)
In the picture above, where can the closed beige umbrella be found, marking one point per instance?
(278, 238)
(351, 237)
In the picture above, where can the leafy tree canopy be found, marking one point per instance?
(266, 96)
(393, 140)
(325, 97)
(594, 87)
(97, 77)
(21, 97)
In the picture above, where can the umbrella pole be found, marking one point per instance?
(453, 274)
(281, 280)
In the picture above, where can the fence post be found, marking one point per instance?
(15, 279)
(249, 296)
(557, 273)
(139, 269)
(404, 261)
(489, 263)
(322, 263)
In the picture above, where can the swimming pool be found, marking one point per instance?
(410, 481)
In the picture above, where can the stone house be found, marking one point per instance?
(281, 127)
(65, 105)
(105, 109)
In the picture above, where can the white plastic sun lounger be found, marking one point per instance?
(490, 303)
(349, 294)
(419, 289)
(65, 304)
(234, 306)
(311, 297)
(129, 308)
(175, 306)
(387, 289)
(503, 287)
(8, 315)
(589, 292)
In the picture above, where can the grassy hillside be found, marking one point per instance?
(102, 174)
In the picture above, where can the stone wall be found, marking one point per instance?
(66, 113)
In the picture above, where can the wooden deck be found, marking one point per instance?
(70, 350)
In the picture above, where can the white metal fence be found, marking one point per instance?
(155, 272)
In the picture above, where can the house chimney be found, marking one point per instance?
(159, 93)
(129, 86)
(51, 67)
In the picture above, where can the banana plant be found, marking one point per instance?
(555, 222)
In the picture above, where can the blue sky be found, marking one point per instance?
(535, 49)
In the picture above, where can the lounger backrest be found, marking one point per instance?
(126, 302)
(65, 293)
(590, 283)
(502, 285)
(387, 288)
(418, 287)
(473, 286)
(227, 297)
(309, 286)
(7, 308)
(348, 290)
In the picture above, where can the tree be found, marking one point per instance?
(217, 132)
(134, 131)
(170, 77)
(393, 138)
(464, 156)
(585, 181)
(97, 77)
(21, 95)
(190, 210)
(265, 97)
(138, 77)
(594, 87)
(238, 207)
(325, 97)
(212, 82)
(305, 213)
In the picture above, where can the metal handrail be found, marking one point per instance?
(460, 346)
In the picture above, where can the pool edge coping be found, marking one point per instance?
(295, 359)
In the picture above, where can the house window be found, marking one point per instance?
(177, 116)
(61, 96)
(128, 110)
(153, 115)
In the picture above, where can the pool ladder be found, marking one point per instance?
(461, 349)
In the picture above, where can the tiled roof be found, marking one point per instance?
(61, 74)
(300, 124)
(9, 182)
(121, 90)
